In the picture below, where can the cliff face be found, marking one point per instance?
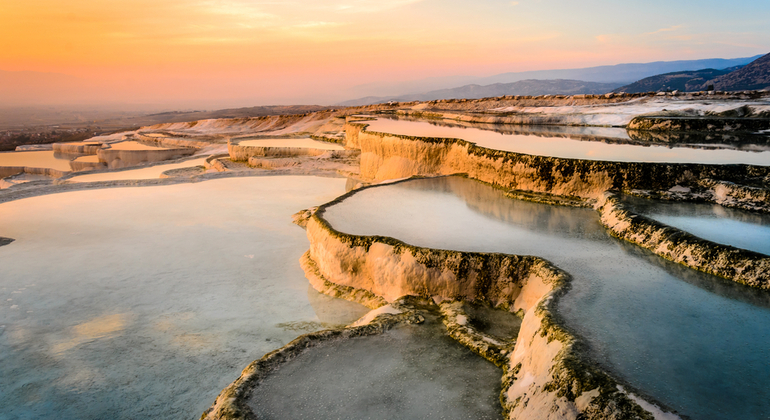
(77, 148)
(115, 158)
(545, 377)
(387, 156)
(738, 265)
(6, 171)
(391, 269)
(243, 153)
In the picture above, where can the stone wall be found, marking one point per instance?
(116, 158)
(389, 156)
(738, 265)
(544, 376)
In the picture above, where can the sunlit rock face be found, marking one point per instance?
(388, 156)
(451, 241)
(132, 153)
(591, 143)
(625, 302)
(735, 264)
(734, 227)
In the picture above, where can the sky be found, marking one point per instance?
(250, 52)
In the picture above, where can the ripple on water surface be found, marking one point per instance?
(693, 341)
(146, 302)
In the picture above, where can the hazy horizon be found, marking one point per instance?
(235, 53)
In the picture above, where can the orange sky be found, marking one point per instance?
(288, 51)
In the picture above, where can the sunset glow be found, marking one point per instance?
(263, 52)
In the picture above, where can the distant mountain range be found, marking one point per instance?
(620, 73)
(753, 76)
(684, 81)
(523, 87)
(591, 80)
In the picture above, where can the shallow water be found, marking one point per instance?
(303, 143)
(409, 372)
(146, 302)
(501, 324)
(693, 341)
(543, 145)
(735, 227)
(45, 159)
(21, 178)
(152, 172)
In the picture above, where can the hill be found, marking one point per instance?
(620, 73)
(473, 91)
(685, 81)
(754, 76)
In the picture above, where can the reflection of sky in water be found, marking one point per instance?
(151, 172)
(696, 342)
(44, 159)
(739, 228)
(568, 148)
(146, 302)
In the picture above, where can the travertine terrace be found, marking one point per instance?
(544, 372)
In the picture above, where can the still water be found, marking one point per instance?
(572, 148)
(44, 159)
(133, 303)
(150, 172)
(735, 227)
(697, 343)
(409, 372)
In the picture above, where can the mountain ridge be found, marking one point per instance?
(752, 76)
(618, 74)
(474, 91)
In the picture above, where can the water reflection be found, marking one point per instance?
(44, 159)
(691, 341)
(735, 227)
(571, 143)
(146, 302)
(151, 172)
(617, 135)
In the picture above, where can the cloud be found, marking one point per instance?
(366, 6)
(514, 3)
(320, 24)
(669, 29)
(241, 9)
